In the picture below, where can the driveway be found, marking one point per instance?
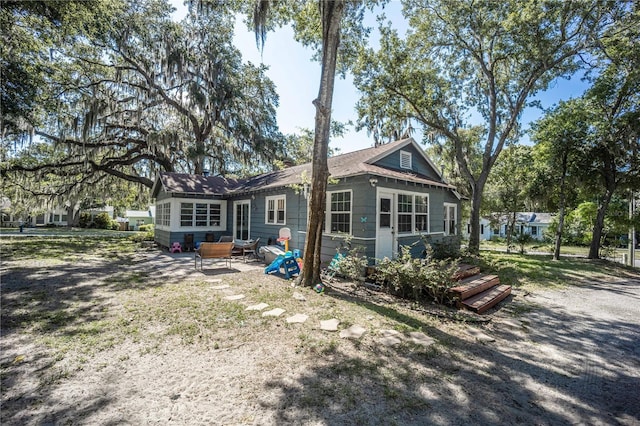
(573, 355)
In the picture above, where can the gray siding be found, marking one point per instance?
(418, 164)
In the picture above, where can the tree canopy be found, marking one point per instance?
(462, 60)
(140, 95)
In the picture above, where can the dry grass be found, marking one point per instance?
(100, 331)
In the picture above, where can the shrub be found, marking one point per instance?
(522, 240)
(104, 221)
(146, 228)
(418, 279)
(446, 248)
(84, 220)
(352, 264)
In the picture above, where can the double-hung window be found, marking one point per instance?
(450, 216)
(276, 210)
(413, 213)
(339, 212)
(405, 213)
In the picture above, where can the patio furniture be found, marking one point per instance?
(214, 251)
(250, 249)
(209, 237)
(188, 242)
(225, 239)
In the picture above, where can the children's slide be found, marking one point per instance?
(275, 265)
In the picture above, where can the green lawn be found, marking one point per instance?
(542, 247)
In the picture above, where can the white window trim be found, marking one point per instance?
(413, 213)
(447, 219)
(406, 156)
(161, 214)
(327, 219)
(275, 199)
(176, 213)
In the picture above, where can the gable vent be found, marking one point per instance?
(405, 160)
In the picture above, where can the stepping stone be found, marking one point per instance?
(390, 338)
(220, 287)
(299, 296)
(297, 319)
(480, 336)
(329, 325)
(273, 313)
(235, 297)
(421, 339)
(215, 280)
(353, 332)
(511, 323)
(258, 307)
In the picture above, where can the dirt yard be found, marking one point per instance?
(113, 337)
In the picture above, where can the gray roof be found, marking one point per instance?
(340, 166)
(532, 218)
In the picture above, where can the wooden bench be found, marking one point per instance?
(214, 251)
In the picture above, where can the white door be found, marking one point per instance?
(385, 231)
(241, 211)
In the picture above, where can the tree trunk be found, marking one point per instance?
(474, 236)
(594, 248)
(332, 12)
(477, 188)
(563, 201)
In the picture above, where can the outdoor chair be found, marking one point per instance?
(188, 242)
(209, 237)
(250, 249)
(225, 239)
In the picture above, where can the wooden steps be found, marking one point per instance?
(465, 271)
(486, 300)
(478, 292)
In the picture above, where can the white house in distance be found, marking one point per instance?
(136, 218)
(530, 223)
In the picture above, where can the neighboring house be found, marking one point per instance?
(530, 223)
(381, 197)
(135, 218)
(56, 216)
(485, 229)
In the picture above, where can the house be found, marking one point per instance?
(530, 223)
(485, 229)
(381, 197)
(136, 218)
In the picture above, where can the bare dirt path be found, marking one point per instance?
(550, 357)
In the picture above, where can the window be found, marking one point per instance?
(186, 214)
(422, 213)
(405, 160)
(201, 215)
(276, 210)
(339, 212)
(481, 229)
(405, 213)
(534, 231)
(214, 214)
(163, 214)
(413, 213)
(450, 212)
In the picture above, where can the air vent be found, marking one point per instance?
(405, 160)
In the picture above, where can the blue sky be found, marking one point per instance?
(297, 78)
